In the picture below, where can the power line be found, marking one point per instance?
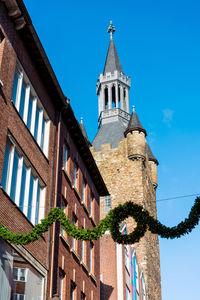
(178, 197)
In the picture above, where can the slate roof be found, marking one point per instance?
(150, 154)
(112, 60)
(134, 124)
(109, 133)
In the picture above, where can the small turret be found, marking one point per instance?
(153, 165)
(136, 138)
(84, 132)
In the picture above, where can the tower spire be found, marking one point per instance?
(111, 30)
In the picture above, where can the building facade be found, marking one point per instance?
(45, 162)
(129, 170)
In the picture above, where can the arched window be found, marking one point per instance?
(135, 277)
(106, 97)
(119, 95)
(113, 97)
(124, 100)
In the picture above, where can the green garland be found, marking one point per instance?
(111, 222)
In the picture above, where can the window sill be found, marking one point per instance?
(17, 207)
(92, 276)
(84, 266)
(75, 254)
(76, 192)
(93, 221)
(64, 239)
(85, 207)
(67, 175)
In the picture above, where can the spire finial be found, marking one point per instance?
(81, 119)
(133, 107)
(111, 30)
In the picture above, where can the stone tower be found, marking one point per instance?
(129, 170)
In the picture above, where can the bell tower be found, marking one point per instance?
(129, 170)
(113, 87)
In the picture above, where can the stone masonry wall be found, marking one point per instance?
(129, 175)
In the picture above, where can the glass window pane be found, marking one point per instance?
(30, 106)
(37, 204)
(14, 176)
(65, 157)
(83, 196)
(5, 168)
(22, 99)
(42, 133)
(15, 273)
(22, 274)
(14, 90)
(30, 197)
(36, 123)
(23, 182)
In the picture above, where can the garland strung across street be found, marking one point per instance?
(111, 222)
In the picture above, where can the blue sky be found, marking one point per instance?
(159, 48)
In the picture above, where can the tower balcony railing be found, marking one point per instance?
(113, 112)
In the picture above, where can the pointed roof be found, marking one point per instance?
(134, 124)
(112, 60)
(84, 132)
(150, 154)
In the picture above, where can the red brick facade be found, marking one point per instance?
(65, 265)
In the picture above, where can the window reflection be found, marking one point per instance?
(18, 279)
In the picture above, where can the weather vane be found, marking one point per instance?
(111, 30)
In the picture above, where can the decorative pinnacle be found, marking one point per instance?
(111, 30)
(81, 119)
(133, 107)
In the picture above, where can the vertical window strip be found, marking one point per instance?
(75, 174)
(23, 182)
(4, 178)
(26, 104)
(14, 176)
(40, 123)
(46, 137)
(36, 123)
(91, 205)
(22, 187)
(33, 116)
(83, 192)
(65, 157)
(28, 108)
(29, 115)
(91, 257)
(14, 89)
(30, 197)
(82, 251)
(18, 181)
(22, 99)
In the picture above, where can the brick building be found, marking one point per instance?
(129, 170)
(45, 162)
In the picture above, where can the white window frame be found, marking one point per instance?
(12, 145)
(83, 251)
(22, 77)
(65, 157)
(75, 175)
(61, 279)
(107, 203)
(18, 296)
(18, 274)
(84, 191)
(91, 257)
(91, 205)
